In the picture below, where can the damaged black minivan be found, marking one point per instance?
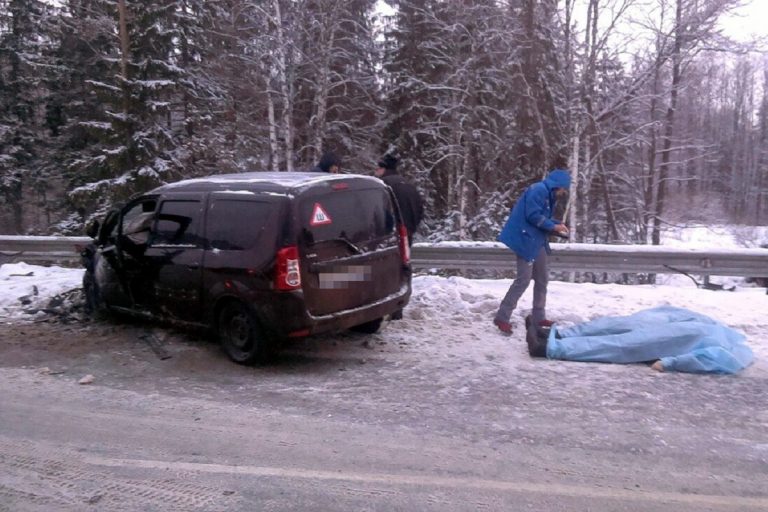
(258, 257)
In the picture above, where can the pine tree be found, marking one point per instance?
(414, 64)
(83, 52)
(20, 93)
(138, 134)
(449, 109)
(202, 150)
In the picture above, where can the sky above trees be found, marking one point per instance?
(747, 23)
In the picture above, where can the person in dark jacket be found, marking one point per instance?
(407, 196)
(329, 162)
(526, 233)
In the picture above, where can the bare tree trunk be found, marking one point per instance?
(16, 195)
(572, 208)
(124, 56)
(285, 88)
(464, 191)
(323, 88)
(590, 127)
(569, 92)
(462, 210)
(762, 149)
(669, 126)
(613, 232)
(584, 191)
(651, 179)
(529, 74)
(274, 148)
(124, 42)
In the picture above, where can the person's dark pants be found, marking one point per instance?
(538, 270)
(398, 315)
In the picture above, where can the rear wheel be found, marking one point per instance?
(241, 336)
(371, 327)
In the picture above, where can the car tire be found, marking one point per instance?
(371, 327)
(241, 336)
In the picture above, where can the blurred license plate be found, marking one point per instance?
(339, 277)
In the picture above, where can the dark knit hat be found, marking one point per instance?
(389, 163)
(328, 160)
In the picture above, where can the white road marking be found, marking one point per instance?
(580, 491)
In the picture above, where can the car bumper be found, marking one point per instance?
(293, 320)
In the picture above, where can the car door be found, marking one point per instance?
(119, 269)
(348, 236)
(174, 256)
(107, 269)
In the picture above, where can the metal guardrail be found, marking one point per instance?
(599, 258)
(41, 249)
(486, 256)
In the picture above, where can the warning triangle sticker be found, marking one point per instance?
(319, 216)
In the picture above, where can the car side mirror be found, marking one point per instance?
(93, 229)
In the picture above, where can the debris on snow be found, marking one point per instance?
(65, 308)
(35, 292)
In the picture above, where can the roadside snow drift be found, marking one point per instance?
(25, 288)
(448, 320)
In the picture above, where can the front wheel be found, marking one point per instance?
(241, 336)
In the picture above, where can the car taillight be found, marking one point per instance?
(288, 275)
(405, 248)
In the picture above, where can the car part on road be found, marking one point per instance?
(155, 343)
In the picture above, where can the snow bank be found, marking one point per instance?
(450, 318)
(725, 237)
(31, 287)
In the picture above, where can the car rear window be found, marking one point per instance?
(235, 225)
(354, 215)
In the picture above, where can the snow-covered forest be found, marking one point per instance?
(661, 118)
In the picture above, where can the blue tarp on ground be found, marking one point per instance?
(683, 340)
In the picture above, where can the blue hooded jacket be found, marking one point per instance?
(530, 220)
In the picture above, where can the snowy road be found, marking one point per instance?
(436, 412)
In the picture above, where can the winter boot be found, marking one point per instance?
(503, 326)
(536, 337)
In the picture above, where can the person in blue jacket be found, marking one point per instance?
(526, 233)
